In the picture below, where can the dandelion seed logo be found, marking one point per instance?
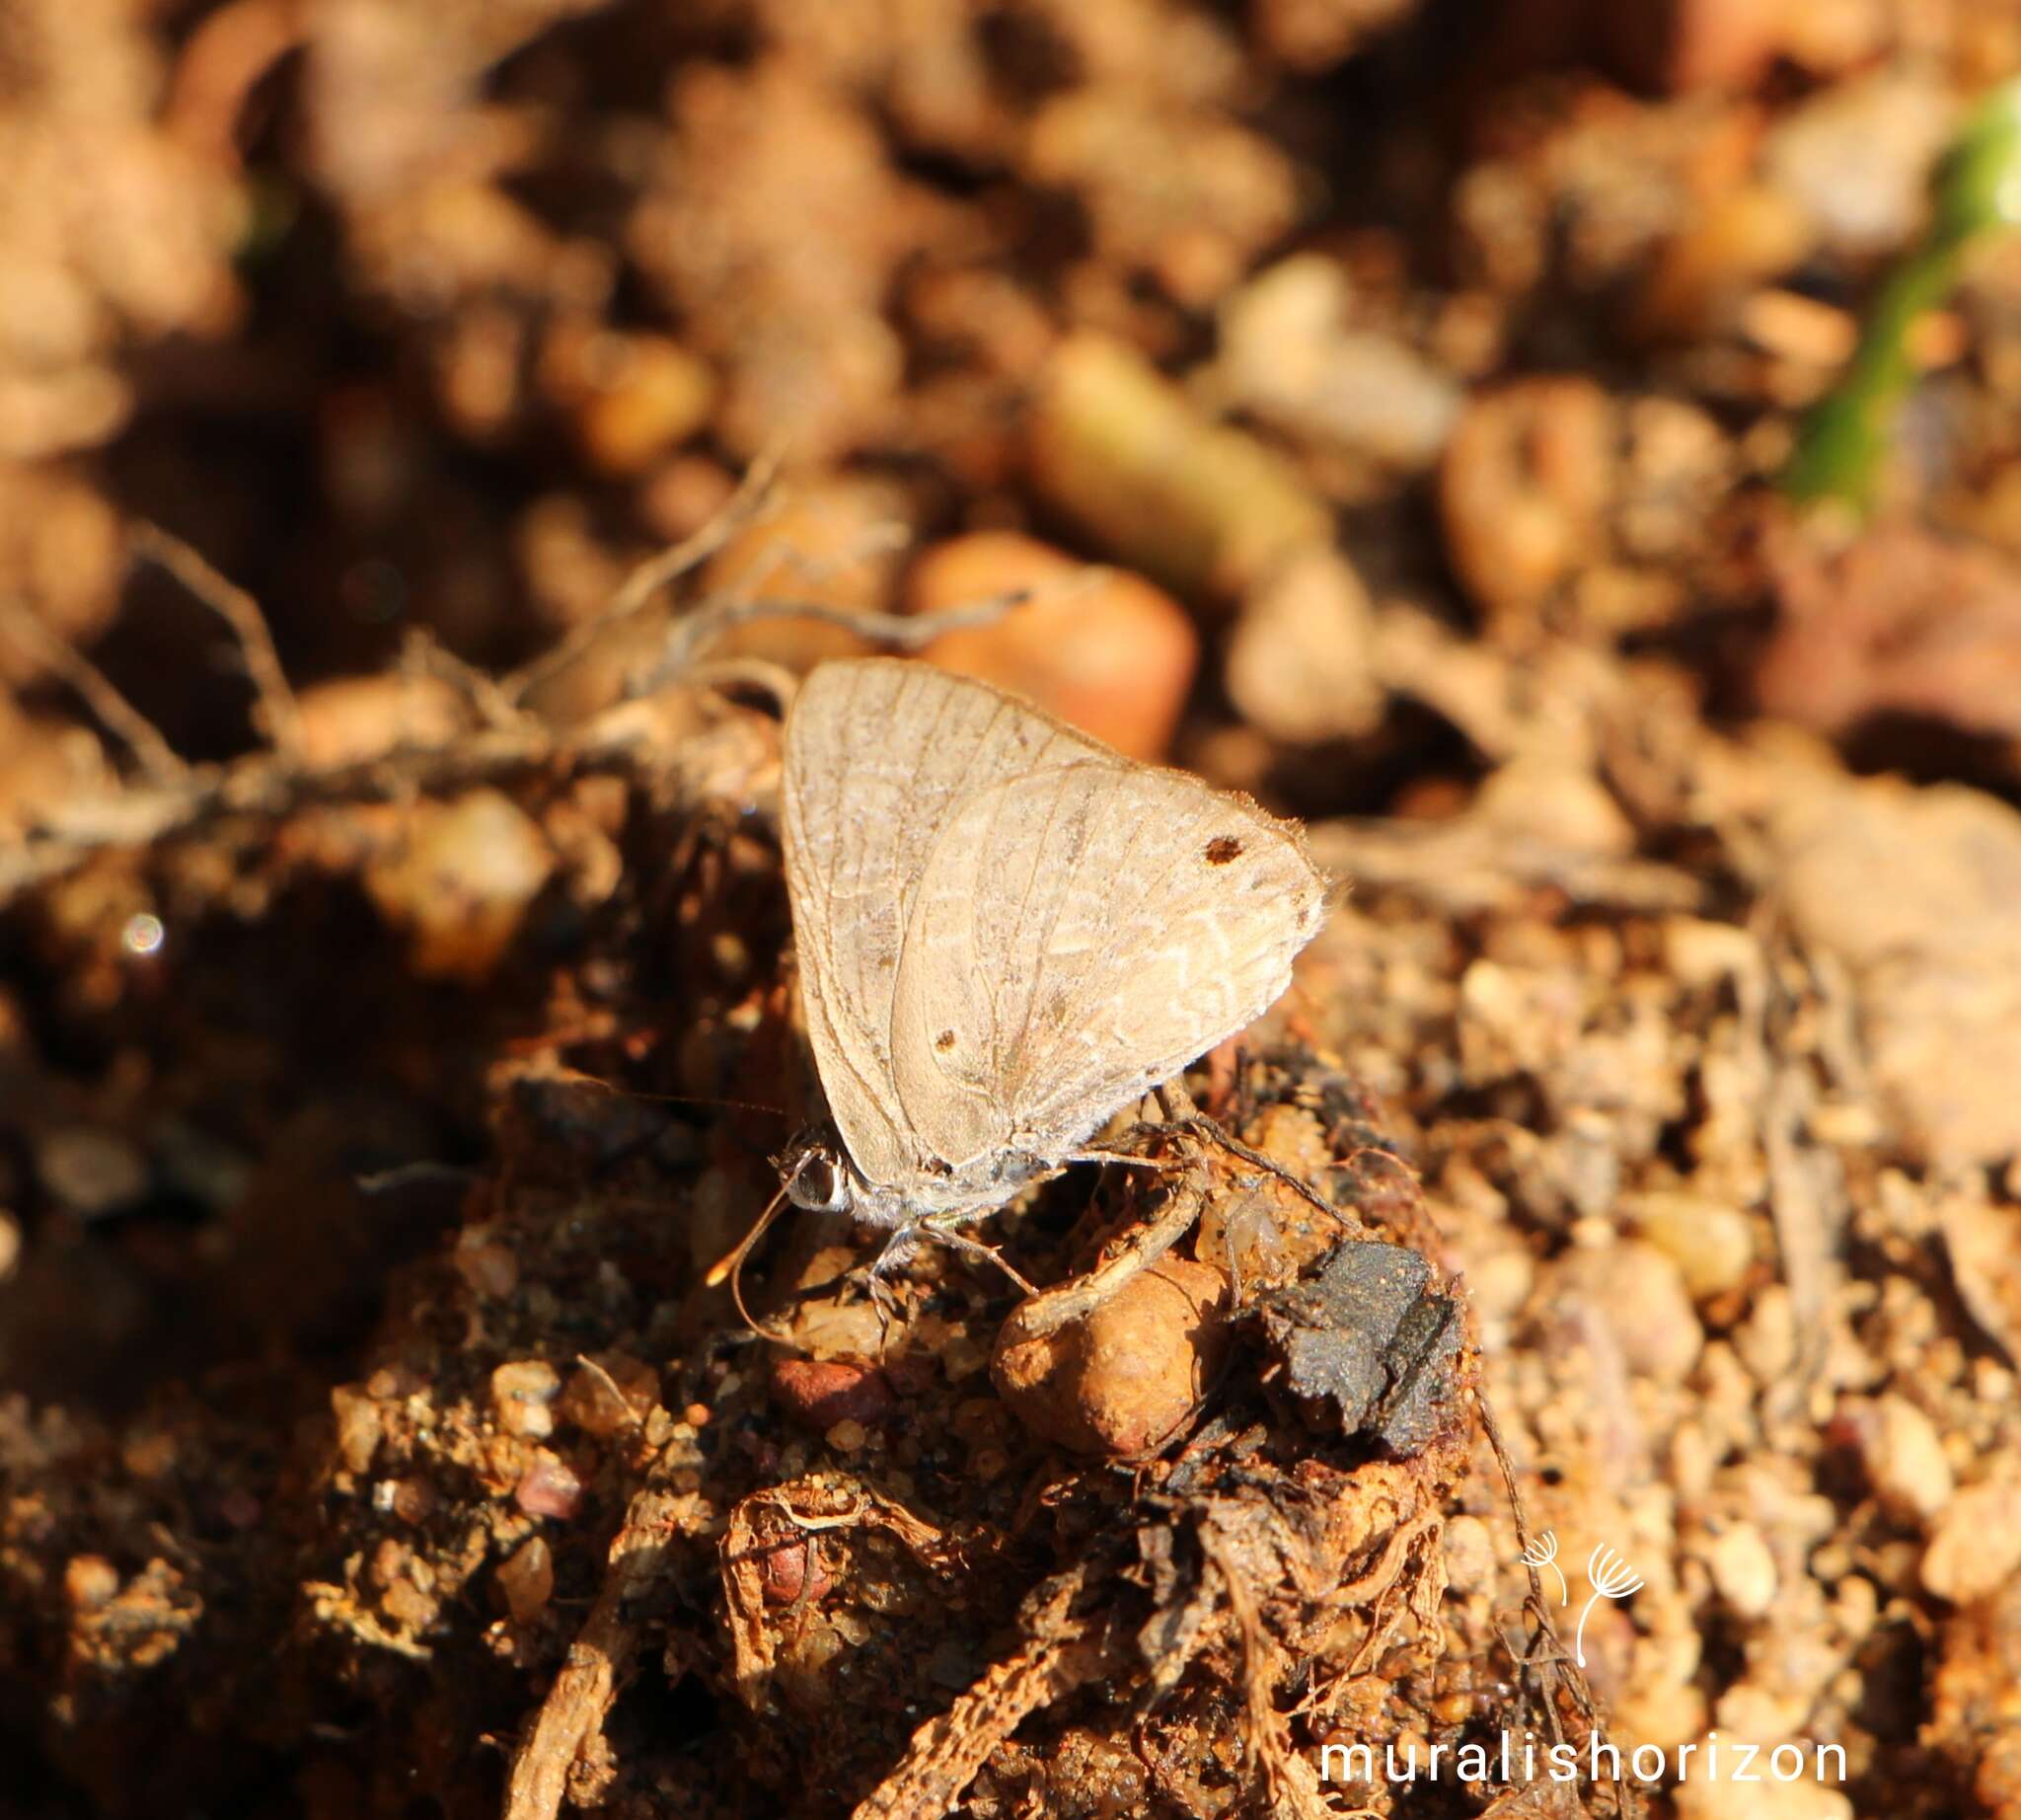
(1543, 1552)
(1613, 1578)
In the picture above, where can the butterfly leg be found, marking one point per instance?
(975, 1249)
(896, 1253)
(900, 1247)
(876, 1276)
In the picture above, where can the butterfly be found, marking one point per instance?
(1006, 932)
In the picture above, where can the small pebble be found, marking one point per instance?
(1301, 659)
(1857, 158)
(92, 1172)
(1681, 47)
(412, 1607)
(1976, 1541)
(640, 395)
(414, 1499)
(1640, 1294)
(609, 1397)
(1768, 1341)
(1523, 485)
(821, 1393)
(1700, 1799)
(792, 1571)
(1101, 649)
(488, 1268)
(1470, 1562)
(1708, 271)
(1904, 1458)
(150, 1454)
(1200, 506)
(1120, 1380)
(548, 1488)
(1553, 799)
(461, 882)
(527, 1579)
(1711, 1244)
(1743, 1568)
(89, 1581)
(358, 1426)
(522, 1394)
(1288, 358)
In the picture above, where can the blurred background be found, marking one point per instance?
(444, 321)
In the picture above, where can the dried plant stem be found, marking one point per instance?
(691, 633)
(278, 714)
(1059, 1652)
(267, 788)
(637, 591)
(509, 741)
(114, 711)
(599, 1662)
(423, 655)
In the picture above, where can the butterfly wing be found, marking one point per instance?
(1080, 931)
(879, 755)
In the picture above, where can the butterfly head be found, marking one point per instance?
(815, 1175)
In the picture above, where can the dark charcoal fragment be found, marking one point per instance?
(1368, 1336)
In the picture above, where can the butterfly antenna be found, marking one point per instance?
(730, 1268)
(714, 1102)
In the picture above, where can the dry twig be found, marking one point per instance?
(599, 1661)
(691, 633)
(114, 711)
(637, 590)
(278, 714)
(1061, 1652)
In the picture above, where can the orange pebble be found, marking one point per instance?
(1106, 651)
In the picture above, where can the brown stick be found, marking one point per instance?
(1060, 1653)
(115, 711)
(278, 714)
(599, 1661)
(636, 592)
(423, 655)
(268, 789)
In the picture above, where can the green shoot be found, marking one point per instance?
(1976, 187)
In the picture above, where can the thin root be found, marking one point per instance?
(278, 713)
(116, 713)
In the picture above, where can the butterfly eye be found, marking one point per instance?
(818, 1186)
